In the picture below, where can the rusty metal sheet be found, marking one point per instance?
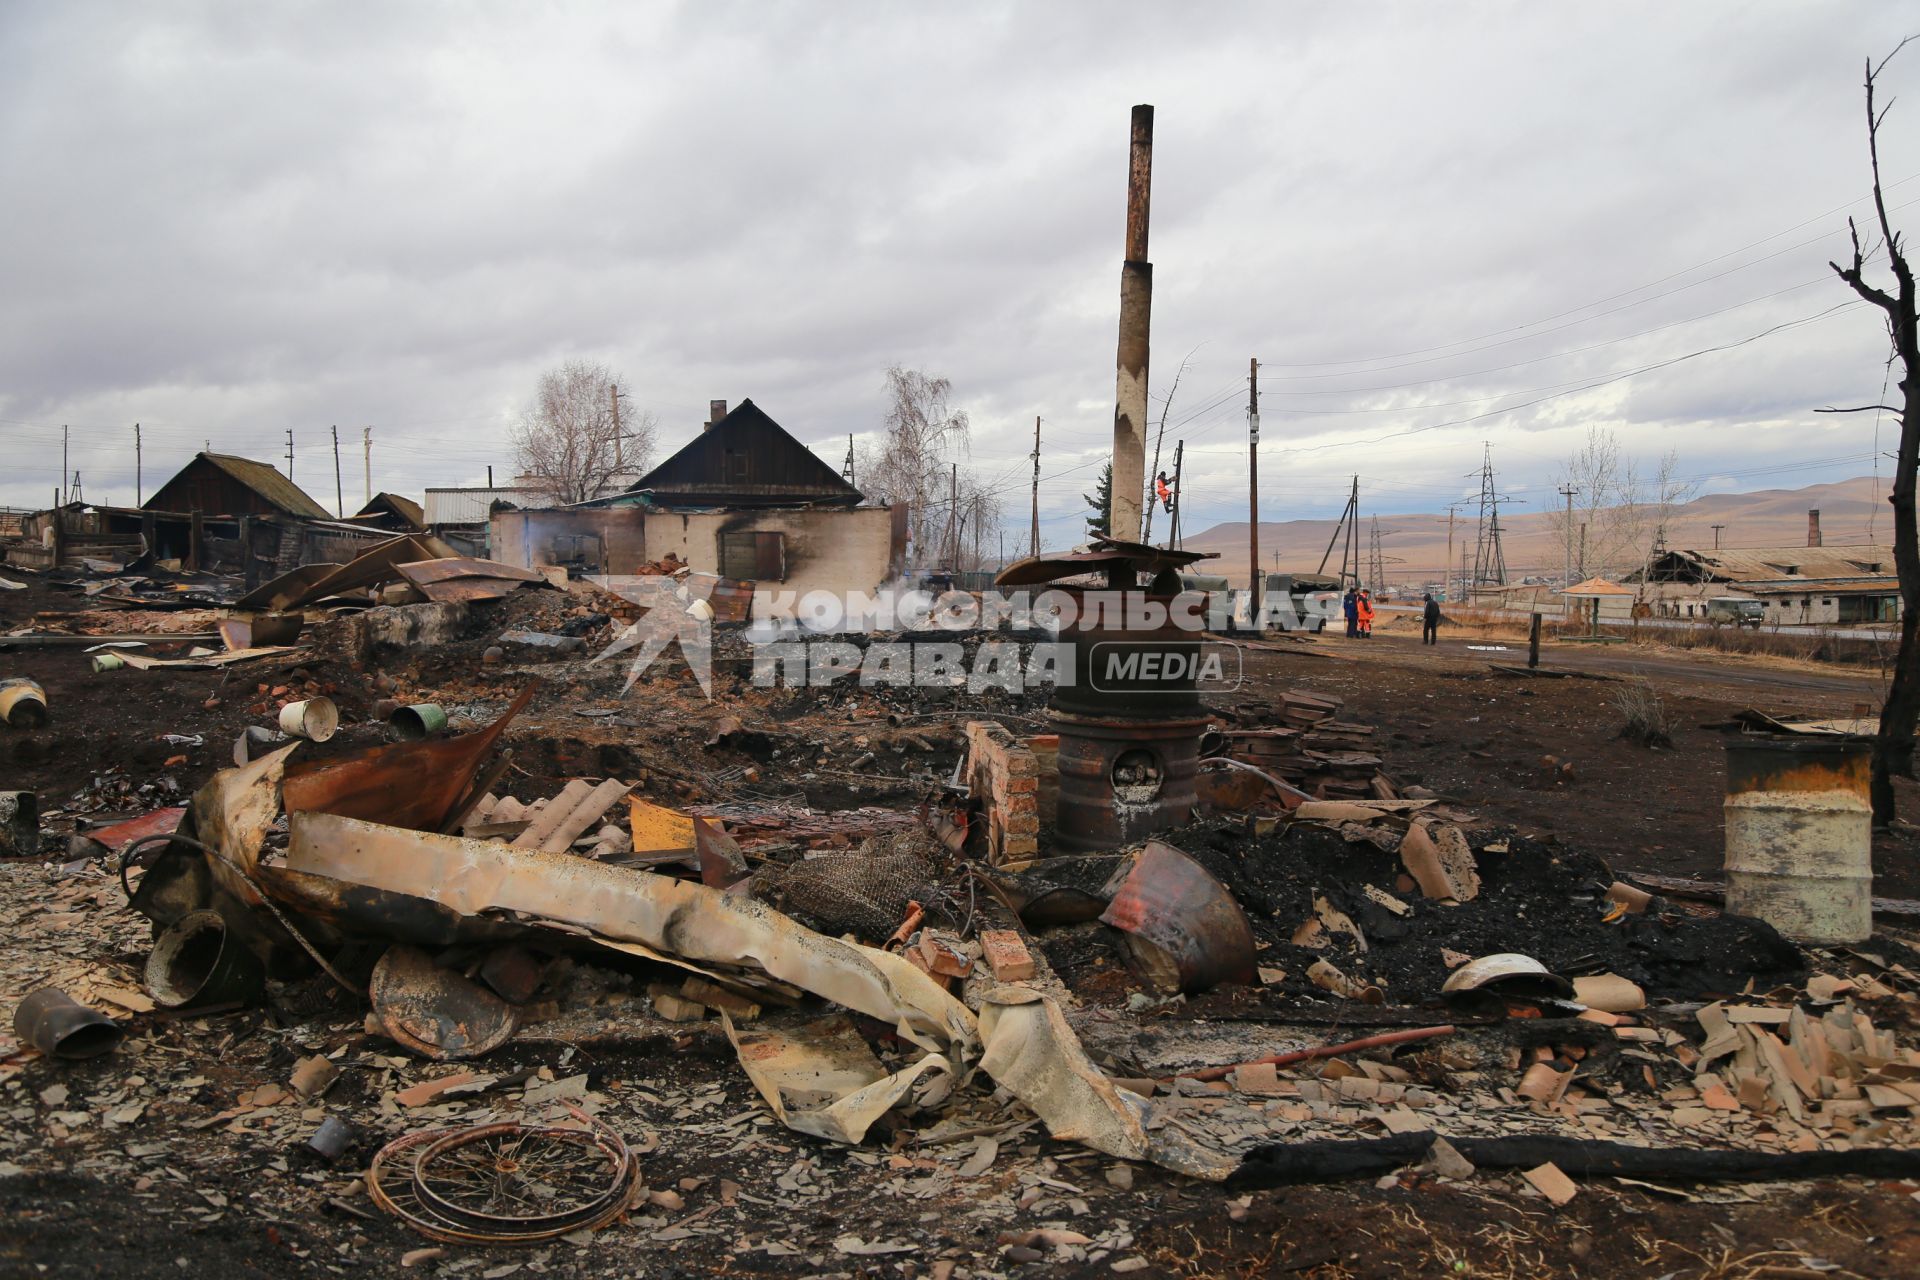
(1184, 930)
(467, 589)
(118, 835)
(447, 568)
(281, 592)
(1225, 785)
(299, 587)
(409, 784)
(1103, 552)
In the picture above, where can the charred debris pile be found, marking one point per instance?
(1239, 951)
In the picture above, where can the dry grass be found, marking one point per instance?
(1643, 717)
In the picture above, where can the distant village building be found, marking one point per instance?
(219, 512)
(1796, 586)
(743, 499)
(220, 484)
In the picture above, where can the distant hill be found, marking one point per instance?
(1766, 518)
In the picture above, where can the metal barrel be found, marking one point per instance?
(1799, 827)
(1124, 780)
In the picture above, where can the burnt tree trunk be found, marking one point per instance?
(1900, 714)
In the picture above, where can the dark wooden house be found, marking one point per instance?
(219, 484)
(744, 459)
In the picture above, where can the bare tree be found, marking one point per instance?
(578, 441)
(1595, 472)
(1900, 714)
(923, 438)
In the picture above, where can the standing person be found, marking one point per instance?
(1430, 621)
(1364, 607)
(1351, 605)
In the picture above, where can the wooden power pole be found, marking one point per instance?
(1033, 538)
(1253, 491)
(366, 458)
(136, 465)
(339, 499)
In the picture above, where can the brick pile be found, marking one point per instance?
(1005, 777)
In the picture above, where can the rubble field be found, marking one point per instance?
(1084, 1117)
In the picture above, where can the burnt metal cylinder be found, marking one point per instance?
(1799, 823)
(1124, 780)
(61, 1027)
(1136, 655)
(198, 960)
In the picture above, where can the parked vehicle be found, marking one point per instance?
(1735, 611)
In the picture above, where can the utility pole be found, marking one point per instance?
(64, 490)
(1568, 491)
(1446, 566)
(1136, 324)
(953, 518)
(1716, 535)
(339, 499)
(619, 467)
(846, 468)
(136, 465)
(1376, 561)
(366, 453)
(1033, 547)
(1173, 517)
(289, 453)
(1253, 488)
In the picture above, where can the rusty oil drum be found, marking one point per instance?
(1124, 780)
(1799, 825)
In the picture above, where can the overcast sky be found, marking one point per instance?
(226, 220)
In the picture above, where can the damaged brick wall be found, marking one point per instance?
(1005, 777)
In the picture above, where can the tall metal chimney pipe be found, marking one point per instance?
(1136, 313)
(1813, 527)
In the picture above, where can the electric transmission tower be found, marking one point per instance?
(1489, 558)
(1376, 569)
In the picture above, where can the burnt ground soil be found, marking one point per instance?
(1443, 719)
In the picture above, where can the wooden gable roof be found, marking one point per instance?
(746, 459)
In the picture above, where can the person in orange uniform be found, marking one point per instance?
(1365, 608)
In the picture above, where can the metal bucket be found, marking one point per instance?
(23, 703)
(198, 961)
(416, 721)
(314, 719)
(1800, 835)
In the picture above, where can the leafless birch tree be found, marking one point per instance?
(577, 440)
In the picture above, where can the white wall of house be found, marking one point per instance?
(824, 548)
